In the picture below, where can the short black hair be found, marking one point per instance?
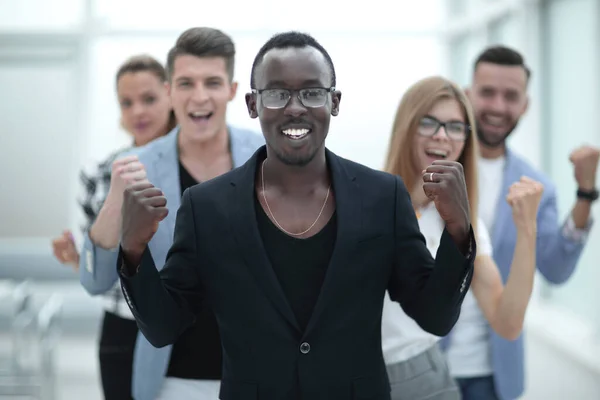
(203, 42)
(290, 39)
(502, 55)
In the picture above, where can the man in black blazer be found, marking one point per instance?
(295, 249)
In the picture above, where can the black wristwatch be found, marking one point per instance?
(590, 195)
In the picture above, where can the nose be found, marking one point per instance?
(497, 104)
(294, 107)
(441, 134)
(200, 94)
(138, 109)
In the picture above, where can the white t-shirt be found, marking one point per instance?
(402, 338)
(491, 174)
(469, 352)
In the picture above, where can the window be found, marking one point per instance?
(33, 127)
(424, 15)
(570, 40)
(457, 7)
(505, 31)
(40, 14)
(464, 51)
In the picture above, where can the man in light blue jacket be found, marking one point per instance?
(486, 366)
(201, 147)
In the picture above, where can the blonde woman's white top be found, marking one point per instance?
(402, 338)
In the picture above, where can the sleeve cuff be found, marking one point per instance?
(127, 270)
(571, 232)
(93, 255)
(456, 257)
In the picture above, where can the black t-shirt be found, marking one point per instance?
(197, 354)
(300, 264)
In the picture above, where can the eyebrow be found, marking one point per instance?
(208, 78)
(306, 84)
(448, 121)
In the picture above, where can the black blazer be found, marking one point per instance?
(218, 259)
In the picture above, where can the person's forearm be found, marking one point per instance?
(106, 229)
(581, 213)
(131, 261)
(462, 239)
(97, 273)
(512, 304)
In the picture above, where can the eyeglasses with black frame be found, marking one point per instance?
(455, 130)
(309, 97)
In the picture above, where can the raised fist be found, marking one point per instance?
(444, 184)
(144, 206)
(585, 163)
(524, 198)
(125, 171)
(65, 251)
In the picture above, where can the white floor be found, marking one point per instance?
(551, 375)
(78, 374)
(553, 371)
(76, 366)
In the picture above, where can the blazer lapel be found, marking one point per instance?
(503, 213)
(348, 208)
(245, 229)
(165, 176)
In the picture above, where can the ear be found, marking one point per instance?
(336, 97)
(233, 90)
(251, 105)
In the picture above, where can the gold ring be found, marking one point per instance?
(431, 177)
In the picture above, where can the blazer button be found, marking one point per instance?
(304, 348)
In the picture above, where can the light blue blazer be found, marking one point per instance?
(557, 256)
(98, 267)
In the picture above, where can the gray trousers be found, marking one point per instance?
(423, 377)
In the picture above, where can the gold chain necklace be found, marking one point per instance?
(262, 179)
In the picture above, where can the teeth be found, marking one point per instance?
(437, 152)
(199, 114)
(296, 133)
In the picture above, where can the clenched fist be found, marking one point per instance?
(585, 163)
(524, 198)
(125, 171)
(65, 251)
(444, 184)
(144, 206)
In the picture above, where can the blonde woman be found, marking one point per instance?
(434, 121)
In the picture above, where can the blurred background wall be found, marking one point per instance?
(58, 113)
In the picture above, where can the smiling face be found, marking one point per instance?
(499, 99)
(144, 103)
(200, 90)
(433, 141)
(294, 103)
